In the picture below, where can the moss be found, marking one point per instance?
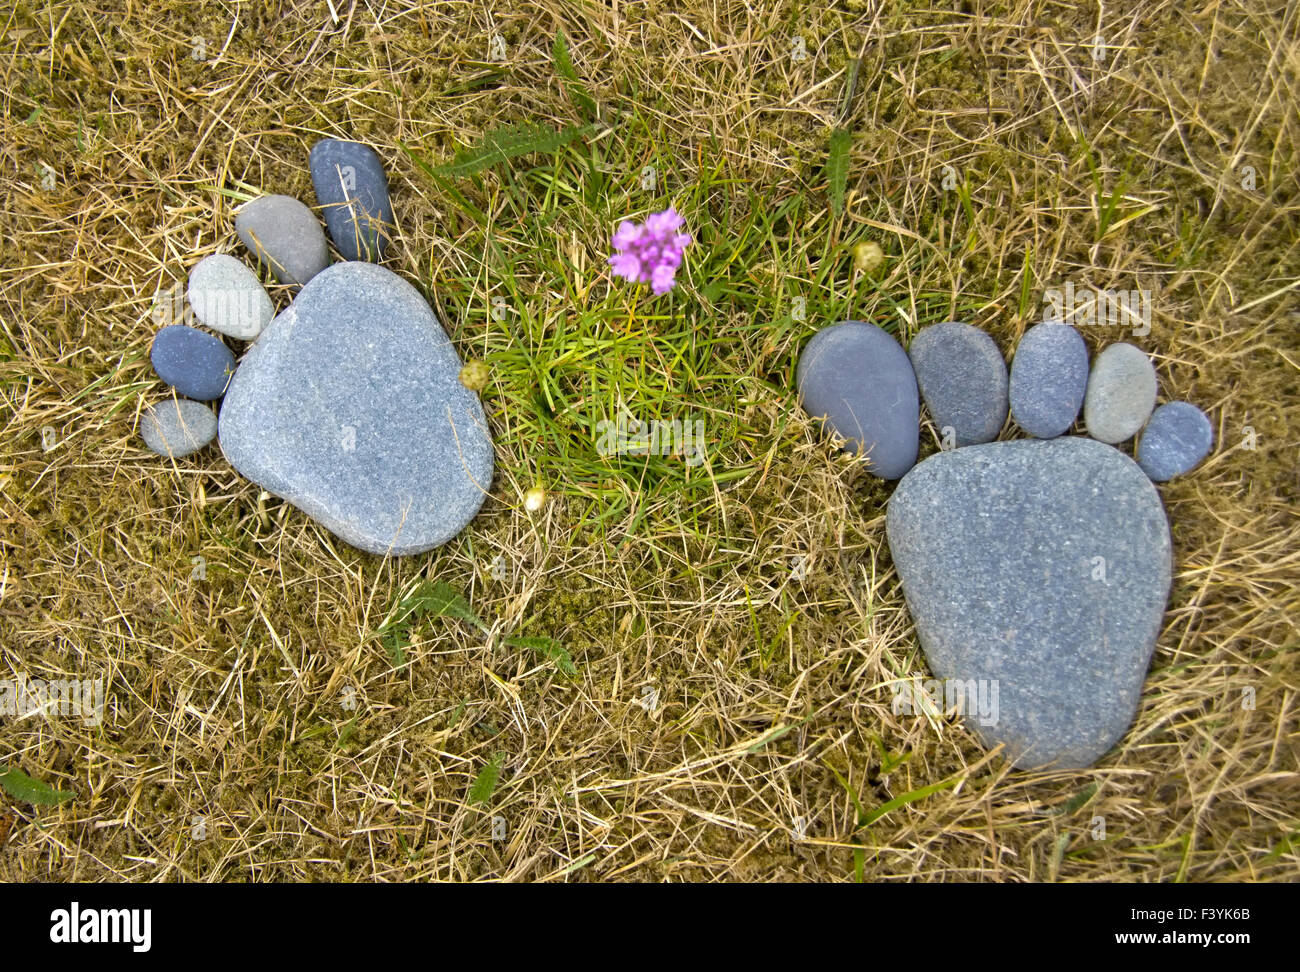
(97, 557)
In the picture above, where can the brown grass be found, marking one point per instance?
(225, 693)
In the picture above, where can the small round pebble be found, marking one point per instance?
(286, 236)
(1174, 442)
(1049, 376)
(177, 427)
(963, 380)
(228, 297)
(196, 364)
(1121, 394)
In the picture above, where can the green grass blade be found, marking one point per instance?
(906, 798)
(1079, 799)
(1284, 846)
(564, 68)
(509, 142)
(438, 599)
(1026, 284)
(474, 212)
(850, 88)
(549, 649)
(483, 79)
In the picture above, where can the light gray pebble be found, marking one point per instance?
(1121, 394)
(227, 297)
(176, 427)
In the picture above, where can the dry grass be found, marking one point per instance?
(773, 739)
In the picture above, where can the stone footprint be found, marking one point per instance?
(1036, 570)
(348, 403)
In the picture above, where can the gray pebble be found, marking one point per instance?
(1049, 375)
(1121, 393)
(195, 363)
(963, 380)
(177, 427)
(860, 381)
(351, 186)
(228, 297)
(1174, 442)
(284, 234)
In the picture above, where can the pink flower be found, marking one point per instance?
(650, 252)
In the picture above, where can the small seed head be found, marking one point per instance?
(474, 375)
(534, 499)
(868, 256)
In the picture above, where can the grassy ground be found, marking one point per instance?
(282, 710)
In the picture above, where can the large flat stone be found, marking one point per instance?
(1041, 566)
(349, 407)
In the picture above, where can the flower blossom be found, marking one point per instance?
(650, 252)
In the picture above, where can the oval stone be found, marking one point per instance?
(1121, 394)
(963, 381)
(228, 297)
(351, 186)
(350, 407)
(859, 381)
(177, 427)
(284, 235)
(196, 364)
(1174, 442)
(1049, 376)
(1036, 572)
